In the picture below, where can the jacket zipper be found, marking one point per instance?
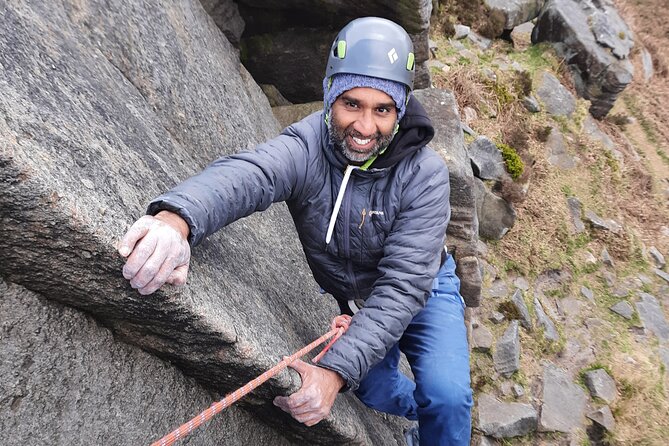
(347, 239)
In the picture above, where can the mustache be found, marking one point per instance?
(355, 134)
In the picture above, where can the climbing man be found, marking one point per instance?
(370, 202)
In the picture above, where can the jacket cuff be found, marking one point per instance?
(161, 204)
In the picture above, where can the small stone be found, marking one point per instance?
(469, 55)
(610, 278)
(466, 129)
(518, 390)
(624, 309)
(645, 279)
(521, 283)
(496, 317)
(469, 115)
(504, 420)
(606, 257)
(505, 388)
(662, 274)
(575, 208)
(604, 418)
(647, 63)
(563, 402)
(657, 257)
(482, 339)
(461, 31)
(498, 289)
(588, 294)
(550, 332)
(531, 104)
(519, 303)
(620, 291)
(601, 385)
(652, 316)
(507, 351)
(480, 41)
(589, 258)
(489, 74)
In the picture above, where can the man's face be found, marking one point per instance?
(362, 123)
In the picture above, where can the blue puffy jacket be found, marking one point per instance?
(388, 233)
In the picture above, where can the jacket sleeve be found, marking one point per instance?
(235, 186)
(411, 259)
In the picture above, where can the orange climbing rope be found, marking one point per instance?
(339, 326)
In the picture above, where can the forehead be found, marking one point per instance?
(368, 95)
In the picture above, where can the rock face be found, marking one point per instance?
(91, 130)
(462, 235)
(564, 402)
(504, 420)
(516, 11)
(60, 364)
(286, 42)
(487, 160)
(596, 44)
(226, 16)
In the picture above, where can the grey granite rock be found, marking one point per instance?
(518, 390)
(498, 289)
(506, 356)
(647, 64)
(606, 257)
(516, 12)
(587, 293)
(521, 36)
(496, 317)
(519, 303)
(624, 309)
(461, 31)
(564, 402)
(226, 16)
(482, 42)
(575, 208)
(662, 274)
(505, 420)
(486, 158)
(531, 104)
(657, 257)
(482, 339)
(604, 418)
(601, 385)
(652, 316)
(495, 215)
(557, 151)
(521, 283)
(557, 100)
(598, 222)
(595, 41)
(543, 321)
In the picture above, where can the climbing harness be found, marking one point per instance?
(340, 325)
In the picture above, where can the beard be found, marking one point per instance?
(339, 139)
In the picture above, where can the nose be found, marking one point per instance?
(365, 123)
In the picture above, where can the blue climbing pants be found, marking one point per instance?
(435, 343)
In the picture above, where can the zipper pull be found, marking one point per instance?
(362, 222)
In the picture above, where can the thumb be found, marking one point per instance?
(300, 367)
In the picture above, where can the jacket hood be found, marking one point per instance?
(415, 132)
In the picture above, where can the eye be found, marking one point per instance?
(385, 110)
(350, 104)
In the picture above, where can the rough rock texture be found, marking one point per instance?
(487, 161)
(495, 215)
(516, 11)
(462, 235)
(504, 420)
(564, 402)
(507, 351)
(482, 339)
(556, 98)
(543, 321)
(288, 114)
(286, 42)
(652, 316)
(604, 418)
(103, 107)
(226, 16)
(524, 313)
(624, 309)
(601, 385)
(595, 42)
(87, 388)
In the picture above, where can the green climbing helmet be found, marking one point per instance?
(375, 47)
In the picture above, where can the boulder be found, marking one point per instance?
(286, 42)
(557, 152)
(505, 420)
(596, 44)
(521, 36)
(516, 11)
(62, 368)
(495, 215)
(486, 158)
(104, 107)
(507, 351)
(564, 402)
(462, 234)
(288, 114)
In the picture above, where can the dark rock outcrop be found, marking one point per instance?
(596, 44)
(103, 107)
(286, 42)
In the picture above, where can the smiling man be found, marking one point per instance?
(370, 202)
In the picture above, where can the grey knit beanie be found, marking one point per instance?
(343, 82)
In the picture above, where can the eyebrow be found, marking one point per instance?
(390, 104)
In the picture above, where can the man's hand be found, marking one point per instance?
(157, 252)
(312, 403)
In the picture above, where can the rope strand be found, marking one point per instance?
(231, 398)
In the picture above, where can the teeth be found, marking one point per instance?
(362, 142)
